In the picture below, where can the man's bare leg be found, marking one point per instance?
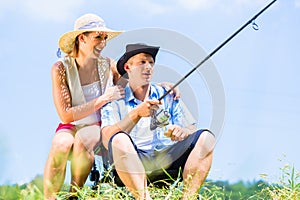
(198, 165)
(129, 166)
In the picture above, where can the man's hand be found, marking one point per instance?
(144, 109)
(176, 133)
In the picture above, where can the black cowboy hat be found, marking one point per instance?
(131, 50)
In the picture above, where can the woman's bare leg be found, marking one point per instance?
(55, 168)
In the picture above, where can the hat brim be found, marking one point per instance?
(67, 40)
(126, 56)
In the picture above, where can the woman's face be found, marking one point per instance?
(94, 43)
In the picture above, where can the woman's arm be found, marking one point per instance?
(63, 100)
(60, 92)
(117, 79)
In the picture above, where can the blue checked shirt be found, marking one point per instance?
(143, 137)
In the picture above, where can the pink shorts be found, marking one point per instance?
(65, 126)
(71, 127)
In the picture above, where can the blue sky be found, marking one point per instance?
(259, 72)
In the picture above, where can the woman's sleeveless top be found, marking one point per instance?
(76, 90)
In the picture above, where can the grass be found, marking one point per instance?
(286, 188)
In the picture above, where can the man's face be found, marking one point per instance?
(140, 69)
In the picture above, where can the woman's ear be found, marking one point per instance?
(81, 38)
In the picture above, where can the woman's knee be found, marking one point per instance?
(62, 142)
(88, 137)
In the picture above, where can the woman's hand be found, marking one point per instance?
(113, 93)
(168, 86)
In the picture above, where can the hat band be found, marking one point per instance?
(92, 25)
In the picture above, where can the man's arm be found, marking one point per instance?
(126, 124)
(129, 121)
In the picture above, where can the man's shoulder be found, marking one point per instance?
(114, 103)
(157, 89)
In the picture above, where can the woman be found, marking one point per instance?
(82, 83)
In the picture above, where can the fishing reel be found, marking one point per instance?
(159, 118)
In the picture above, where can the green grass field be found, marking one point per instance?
(286, 188)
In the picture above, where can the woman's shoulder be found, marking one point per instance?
(58, 64)
(63, 62)
(58, 67)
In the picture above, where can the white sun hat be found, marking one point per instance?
(86, 23)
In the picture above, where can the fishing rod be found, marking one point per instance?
(159, 118)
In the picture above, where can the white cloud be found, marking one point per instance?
(61, 10)
(6, 5)
(54, 10)
(250, 2)
(147, 7)
(297, 3)
(240, 6)
(196, 4)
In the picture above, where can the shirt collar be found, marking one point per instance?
(128, 94)
(130, 97)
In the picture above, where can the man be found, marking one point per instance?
(134, 149)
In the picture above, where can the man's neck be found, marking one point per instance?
(140, 92)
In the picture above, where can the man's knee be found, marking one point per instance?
(121, 141)
(205, 143)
